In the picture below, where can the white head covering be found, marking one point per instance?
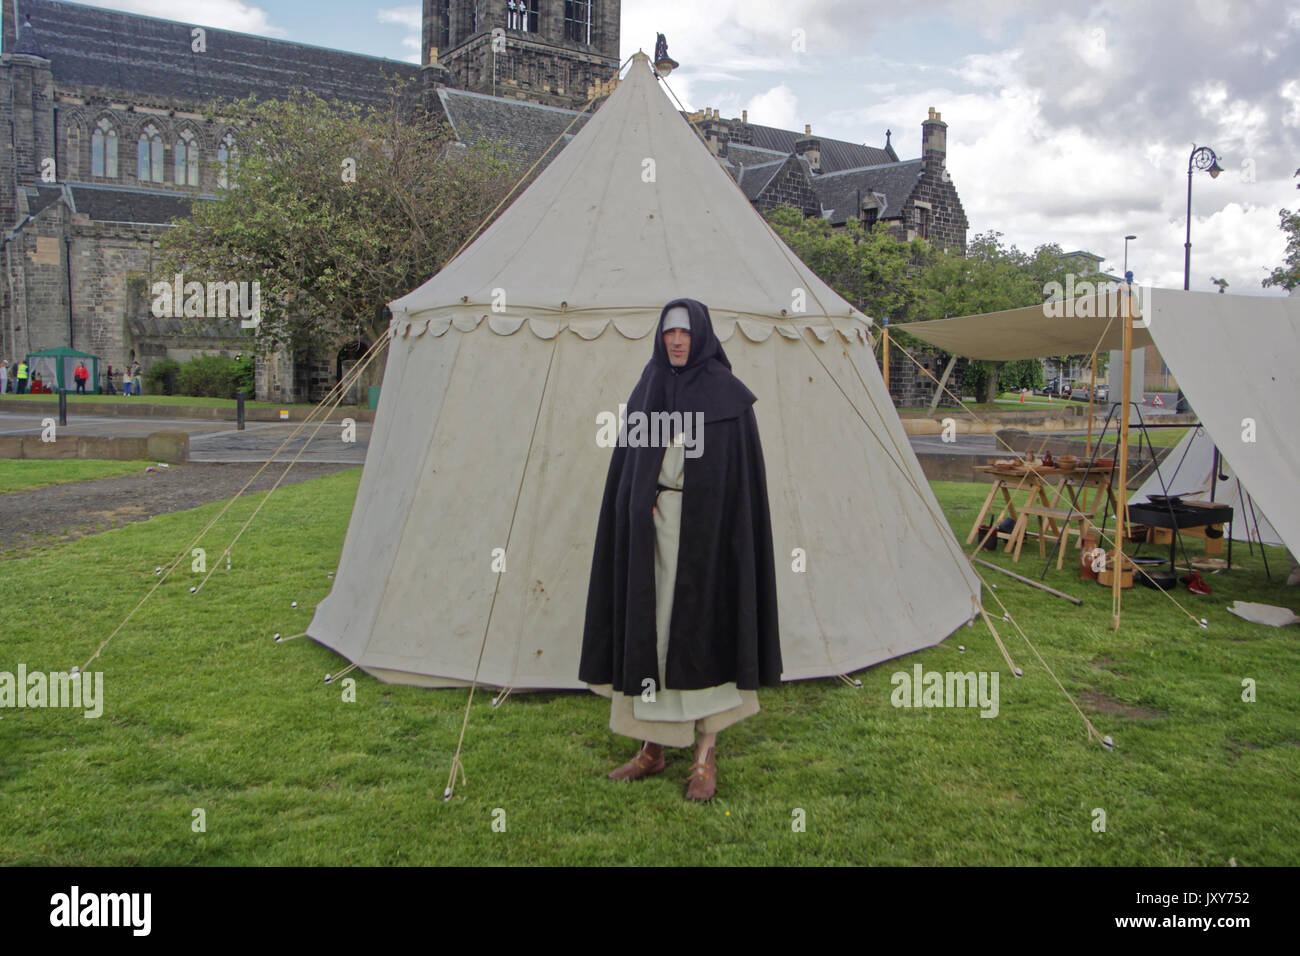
(677, 318)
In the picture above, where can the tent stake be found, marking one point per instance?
(1035, 584)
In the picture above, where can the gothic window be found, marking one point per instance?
(73, 162)
(149, 155)
(869, 217)
(103, 150)
(186, 159)
(921, 220)
(514, 16)
(577, 20)
(227, 158)
(444, 27)
(526, 15)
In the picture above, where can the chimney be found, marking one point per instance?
(934, 143)
(811, 148)
(744, 116)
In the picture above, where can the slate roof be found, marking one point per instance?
(526, 128)
(754, 179)
(38, 197)
(838, 192)
(126, 204)
(836, 154)
(153, 59)
(752, 155)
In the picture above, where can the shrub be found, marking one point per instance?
(161, 377)
(213, 376)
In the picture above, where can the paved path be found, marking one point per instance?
(211, 441)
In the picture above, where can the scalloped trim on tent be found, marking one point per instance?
(629, 326)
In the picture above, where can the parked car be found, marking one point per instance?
(1103, 393)
(1057, 386)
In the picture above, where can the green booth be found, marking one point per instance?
(55, 368)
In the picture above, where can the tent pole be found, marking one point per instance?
(1092, 394)
(884, 355)
(1121, 506)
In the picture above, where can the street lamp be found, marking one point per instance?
(1126, 239)
(1202, 157)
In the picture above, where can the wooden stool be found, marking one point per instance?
(1051, 516)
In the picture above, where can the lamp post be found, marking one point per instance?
(1126, 239)
(1202, 157)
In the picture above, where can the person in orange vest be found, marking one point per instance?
(79, 375)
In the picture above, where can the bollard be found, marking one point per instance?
(63, 407)
(239, 410)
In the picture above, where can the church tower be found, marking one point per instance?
(543, 51)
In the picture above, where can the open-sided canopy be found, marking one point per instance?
(1061, 327)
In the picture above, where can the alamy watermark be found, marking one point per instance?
(179, 299)
(651, 430)
(946, 689)
(1084, 299)
(56, 689)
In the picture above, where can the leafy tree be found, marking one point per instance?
(1287, 276)
(873, 270)
(334, 212)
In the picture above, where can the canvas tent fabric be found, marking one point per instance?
(1187, 471)
(1234, 358)
(1067, 327)
(476, 513)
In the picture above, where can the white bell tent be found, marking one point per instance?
(469, 548)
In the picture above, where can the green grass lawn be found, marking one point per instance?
(20, 475)
(203, 711)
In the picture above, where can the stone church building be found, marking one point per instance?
(109, 139)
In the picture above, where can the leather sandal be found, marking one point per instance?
(702, 784)
(648, 760)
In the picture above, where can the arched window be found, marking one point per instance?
(186, 159)
(227, 160)
(103, 150)
(149, 155)
(73, 161)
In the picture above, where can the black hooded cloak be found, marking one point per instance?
(724, 623)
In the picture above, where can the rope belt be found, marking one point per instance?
(666, 488)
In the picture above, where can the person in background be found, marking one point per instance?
(79, 375)
(20, 385)
(108, 382)
(4, 376)
(135, 379)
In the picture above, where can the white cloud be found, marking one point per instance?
(777, 107)
(411, 19)
(222, 14)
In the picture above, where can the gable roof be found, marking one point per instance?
(836, 153)
(838, 192)
(526, 128)
(152, 58)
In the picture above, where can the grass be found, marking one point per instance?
(204, 712)
(23, 475)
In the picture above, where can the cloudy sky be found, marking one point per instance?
(1068, 121)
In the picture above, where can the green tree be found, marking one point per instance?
(1287, 275)
(334, 211)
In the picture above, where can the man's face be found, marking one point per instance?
(678, 344)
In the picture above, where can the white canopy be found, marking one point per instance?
(485, 436)
(1062, 327)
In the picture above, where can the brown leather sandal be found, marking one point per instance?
(702, 784)
(648, 760)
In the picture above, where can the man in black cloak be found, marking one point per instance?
(681, 625)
